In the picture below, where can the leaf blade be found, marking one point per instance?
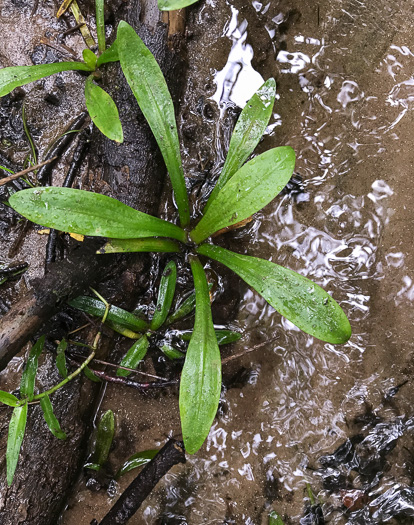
(250, 189)
(51, 419)
(109, 55)
(173, 5)
(8, 399)
(148, 85)
(88, 213)
(295, 297)
(200, 383)
(103, 111)
(104, 438)
(134, 356)
(165, 295)
(15, 437)
(27, 382)
(135, 461)
(139, 245)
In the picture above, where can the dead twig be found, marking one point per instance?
(26, 171)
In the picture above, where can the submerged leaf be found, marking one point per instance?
(275, 519)
(103, 111)
(297, 298)
(246, 135)
(50, 418)
(13, 77)
(255, 184)
(147, 82)
(139, 245)
(89, 213)
(165, 295)
(27, 382)
(173, 5)
(15, 437)
(200, 383)
(136, 460)
(104, 438)
(134, 356)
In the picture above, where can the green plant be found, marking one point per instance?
(243, 189)
(172, 5)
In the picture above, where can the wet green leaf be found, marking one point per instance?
(95, 307)
(136, 460)
(275, 519)
(185, 308)
(89, 58)
(8, 399)
(90, 375)
(103, 111)
(50, 418)
(100, 24)
(139, 245)
(15, 437)
(246, 135)
(147, 82)
(109, 55)
(165, 295)
(134, 356)
(27, 382)
(92, 466)
(200, 383)
(248, 191)
(120, 329)
(61, 358)
(171, 353)
(297, 298)
(104, 437)
(224, 337)
(173, 5)
(88, 213)
(13, 77)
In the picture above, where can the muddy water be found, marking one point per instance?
(345, 99)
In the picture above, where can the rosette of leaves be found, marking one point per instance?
(242, 189)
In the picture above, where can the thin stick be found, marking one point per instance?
(252, 349)
(134, 384)
(24, 172)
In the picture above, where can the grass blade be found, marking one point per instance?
(134, 356)
(13, 77)
(15, 437)
(61, 358)
(173, 5)
(103, 111)
(200, 383)
(50, 418)
(248, 191)
(165, 295)
(87, 213)
(246, 135)
(135, 461)
(8, 399)
(297, 298)
(27, 382)
(139, 245)
(147, 82)
(100, 24)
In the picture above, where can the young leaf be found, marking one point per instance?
(171, 353)
(15, 437)
(135, 461)
(104, 438)
(224, 337)
(8, 399)
(246, 135)
(139, 245)
(103, 111)
(200, 383)
(13, 77)
(89, 58)
(109, 55)
(185, 308)
(50, 418)
(61, 359)
(165, 295)
(88, 213)
(100, 24)
(297, 298)
(147, 82)
(27, 382)
(172, 5)
(90, 375)
(134, 356)
(275, 519)
(248, 191)
(95, 307)
(120, 329)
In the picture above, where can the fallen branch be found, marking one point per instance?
(26, 171)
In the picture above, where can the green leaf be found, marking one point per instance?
(297, 298)
(134, 356)
(61, 359)
(165, 295)
(120, 329)
(17, 428)
(8, 399)
(171, 353)
(136, 460)
(139, 245)
(100, 24)
(248, 191)
(90, 375)
(147, 82)
(246, 135)
(275, 519)
(27, 382)
(95, 307)
(104, 438)
(89, 58)
(173, 5)
(200, 383)
(103, 111)
(185, 308)
(88, 213)
(224, 337)
(13, 77)
(109, 55)
(50, 418)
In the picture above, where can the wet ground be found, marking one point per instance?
(297, 413)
